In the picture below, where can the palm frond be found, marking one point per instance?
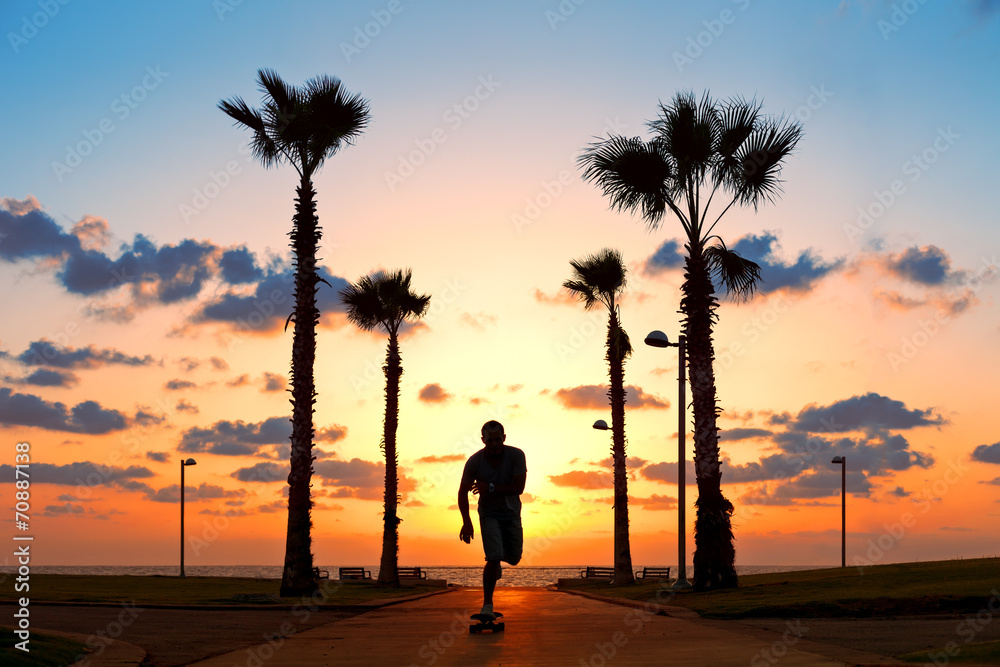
(262, 146)
(633, 174)
(739, 275)
(303, 125)
(598, 277)
(761, 158)
(686, 129)
(383, 299)
(582, 290)
(735, 122)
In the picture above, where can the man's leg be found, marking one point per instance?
(490, 572)
(492, 538)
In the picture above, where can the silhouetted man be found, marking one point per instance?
(496, 473)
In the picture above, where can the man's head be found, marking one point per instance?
(493, 436)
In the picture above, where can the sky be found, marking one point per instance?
(145, 268)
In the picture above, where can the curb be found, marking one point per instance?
(361, 607)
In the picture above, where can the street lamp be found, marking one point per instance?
(842, 460)
(189, 462)
(659, 339)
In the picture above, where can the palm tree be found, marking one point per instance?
(385, 300)
(700, 150)
(600, 278)
(301, 126)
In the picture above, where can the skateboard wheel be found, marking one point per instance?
(499, 626)
(473, 629)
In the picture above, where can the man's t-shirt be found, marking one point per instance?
(479, 469)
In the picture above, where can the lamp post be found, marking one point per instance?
(842, 460)
(189, 462)
(659, 339)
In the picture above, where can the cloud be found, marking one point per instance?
(740, 433)
(178, 385)
(265, 471)
(46, 377)
(81, 473)
(30, 410)
(92, 232)
(29, 233)
(869, 411)
(146, 416)
(154, 274)
(166, 274)
(561, 298)
(330, 433)
(595, 397)
(433, 393)
(666, 472)
(987, 453)
(172, 493)
(20, 206)
(655, 502)
(810, 486)
(185, 406)
(268, 306)
(355, 478)
(667, 256)
(583, 479)
(929, 265)
(159, 457)
(478, 321)
(446, 458)
(800, 276)
(273, 382)
(236, 438)
(874, 454)
(44, 353)
(239, 265)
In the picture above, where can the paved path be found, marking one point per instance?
(542, 628)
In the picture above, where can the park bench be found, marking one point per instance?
(411, 573)
(320, 574)
(355, 573)
(653, 573)
(597, 572)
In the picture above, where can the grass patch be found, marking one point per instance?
(44, 650)
(197, 591)
(901, 589)
(985, 653)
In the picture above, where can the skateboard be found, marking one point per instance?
(486, 623)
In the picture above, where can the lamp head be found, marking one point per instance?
(189, 462)
(601, 425)
(657, 339)
(838, 459)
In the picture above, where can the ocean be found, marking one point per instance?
(463, 575)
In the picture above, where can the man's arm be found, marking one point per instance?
(467, 532)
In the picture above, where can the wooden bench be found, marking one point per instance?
(411, 573)
(653, 573)
(355, 573)
(597, 572)
(320, 574)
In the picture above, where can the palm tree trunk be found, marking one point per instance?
(388, 569)
(616, 372)
(715, 555)
(297, 577)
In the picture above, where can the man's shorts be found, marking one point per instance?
(503, 539)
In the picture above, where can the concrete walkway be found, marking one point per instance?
(543, 627)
